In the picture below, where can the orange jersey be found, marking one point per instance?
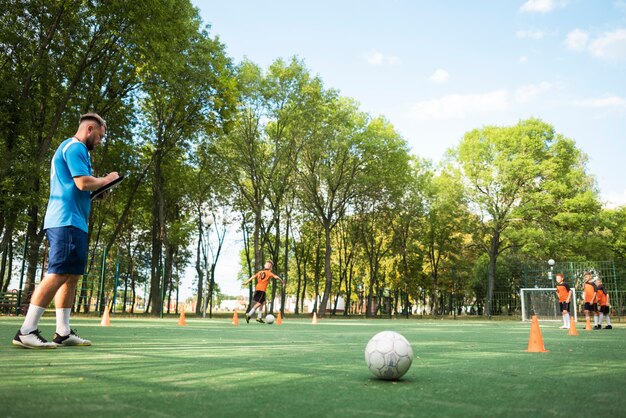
(263, 278)
(590, 292)
(603, 298)
(563, 291)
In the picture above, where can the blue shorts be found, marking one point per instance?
(67, 250)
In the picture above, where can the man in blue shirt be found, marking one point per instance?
(66, 226)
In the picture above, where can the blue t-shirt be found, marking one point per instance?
(68, 205)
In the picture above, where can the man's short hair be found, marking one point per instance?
(560, 275)
(271, 262)
(93, 117)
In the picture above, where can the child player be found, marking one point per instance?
(603, 305)
(565, 295)
(262, 279)
(590, 293)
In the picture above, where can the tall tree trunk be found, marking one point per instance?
(346, 310)
(10, 268)
(493, 257)
(275, 259)
(327, 269)
(246, 246)
(199, 268)
(283, 292)
(158, 226)
(34, 238)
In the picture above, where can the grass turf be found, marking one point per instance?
(155, 368)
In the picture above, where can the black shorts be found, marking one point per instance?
(604, 309)
(591, 307)
(67, 252)
(564, 306)
(259, 296)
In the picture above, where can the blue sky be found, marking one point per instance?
(439, 68)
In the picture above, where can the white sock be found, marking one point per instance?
(566, 319)
(63, 321)
(251, 312)
(595, 320)
(32, 319)
(608, 320)
(260, 314)
(601, 317)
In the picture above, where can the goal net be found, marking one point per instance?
(544, 303)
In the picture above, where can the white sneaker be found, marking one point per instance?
(563, 327)
(32, 340)
(71, 339)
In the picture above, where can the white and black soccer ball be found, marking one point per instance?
(270, 319)
(388, 355)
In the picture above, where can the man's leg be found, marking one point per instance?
(29, 336)
(42, 296)
(249, 314)
(63, 300)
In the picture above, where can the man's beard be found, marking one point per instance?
(90, 143)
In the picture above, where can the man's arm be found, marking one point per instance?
(249, 280)
(281, 280)
(90, 183)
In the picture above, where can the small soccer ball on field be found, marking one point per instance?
(270, 319)
(388, 355)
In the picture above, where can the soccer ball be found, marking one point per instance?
(270, 319)
(388, 355)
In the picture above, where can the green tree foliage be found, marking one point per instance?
(510, 173)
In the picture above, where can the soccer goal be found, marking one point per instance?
(544, 303)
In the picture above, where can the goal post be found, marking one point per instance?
(544, 303)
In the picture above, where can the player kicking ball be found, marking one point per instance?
(262, 279)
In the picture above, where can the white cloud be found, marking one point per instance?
(577, 40)
(613, 200)
(374, 57)
(611, 45)
(528, 92)
(440, 76)
(458, 106)
(542, 6)
(608, 46)
(607, 101)
(530, 34)
(523, 59)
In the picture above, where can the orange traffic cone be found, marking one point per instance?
(235, 318)
(314, 322)
(182, 320)
(588, 325)
(279, 319)
(106, 320)
(535, 342)
(572, 327)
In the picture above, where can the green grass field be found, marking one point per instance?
(210, 368)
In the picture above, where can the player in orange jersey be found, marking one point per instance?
(565, 295)
(603, 305)
(590, 294)
(262, 279)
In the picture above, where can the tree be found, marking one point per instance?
(346, 155)
(508, 172)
